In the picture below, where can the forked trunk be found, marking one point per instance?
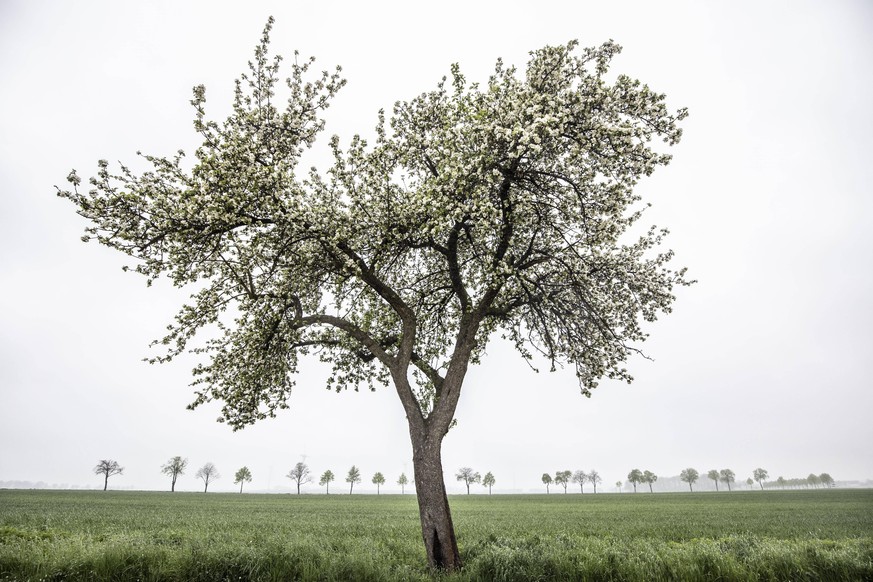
(437, 529)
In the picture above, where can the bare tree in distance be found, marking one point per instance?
(402, 481)
(715, 476)
(760, 475)
(580, 477)
(353, 476)
(325, 480)
(690, 476)
(107, 468)
(378, 481)
(242, 476)
(208, 473)
(174, 467)
(468, 475)
(594, 479)
(727, 476)
(299, 474)
(547, 480)
(476, 208)
(635, 477)
(488, 481)
(618, 486)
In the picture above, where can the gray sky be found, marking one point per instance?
(765, 362)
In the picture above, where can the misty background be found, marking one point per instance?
(765, 362)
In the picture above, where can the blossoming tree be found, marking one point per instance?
(477, 209)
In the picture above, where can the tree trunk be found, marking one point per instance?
(690, 487)
(352, 486)
(240, 486)
(729, 486)
(468, 488)
(298, 487)
(205, 486)
(173, 485)
(437, 529)
(761, 483)
(106, 481)
(716, 485)
(650, 488)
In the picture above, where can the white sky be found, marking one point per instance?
(765, 362)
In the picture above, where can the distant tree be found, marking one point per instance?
(402, 481)
(107, 468)
(562, 478)
(547, 480)
(650, 478)
(242, 476)
(208, 473)
(594, 479)
(690, 476)
(468, 475)
(635, 477)
(325, 480)
(713, 474)
(378, 481)
(750, 483)
(580, 477)
(300, 475)
(760, 475)
(618, 486)
(174, 468)
(813, 480)
(826, 480)
(488, 481)
(781, 482)
(727, 477)
(353, 477)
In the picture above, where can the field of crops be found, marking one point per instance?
(753, 535)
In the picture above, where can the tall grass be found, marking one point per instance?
(819, 535)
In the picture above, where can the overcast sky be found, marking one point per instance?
(766, 362)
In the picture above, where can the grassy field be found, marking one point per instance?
(770, 535)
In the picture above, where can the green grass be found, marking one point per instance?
(771, 535)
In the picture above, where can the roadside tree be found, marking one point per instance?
(714, 475)
(690, 476)
(727, 477)
(477, 208)
(580, 477)
(326, 479)
(488, 481)
(108, 468)
(468, 475)
(760, 475)
(547, 480)
(635, 477)
(174, 468)
(595, 479)
(378, 481)
(242, 476)
(354, 476)
(300, 475)
(562, 478)
(208, 473)
(649, 478)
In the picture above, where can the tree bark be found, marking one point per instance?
(106, 481)
(437, 529)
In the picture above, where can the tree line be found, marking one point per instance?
(300, 474)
